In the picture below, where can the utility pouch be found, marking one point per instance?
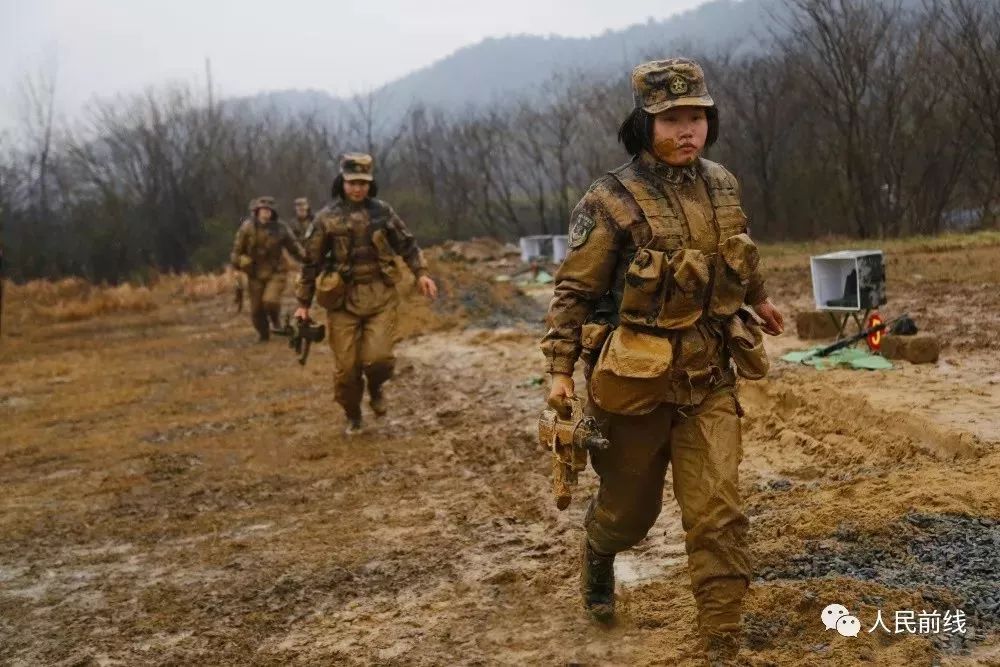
(738, 259)
(593, 335)
(331, 290)
(632, 373)
(746, 346)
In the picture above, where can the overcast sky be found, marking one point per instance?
(103, 47)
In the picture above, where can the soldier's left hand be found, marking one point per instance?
(774, 322)
(427, 287)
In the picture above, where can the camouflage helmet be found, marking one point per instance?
(357, 167)
(663, 84)
(263, 202)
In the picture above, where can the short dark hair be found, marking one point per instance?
(636, 131)
(337, 188)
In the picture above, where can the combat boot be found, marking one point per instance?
(597, 584)
(354, 425)
(722, 649)
(377, 402)
(260, 324)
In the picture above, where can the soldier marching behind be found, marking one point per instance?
(257, 252)
(652, 297)
(303, 219)
(350, 269)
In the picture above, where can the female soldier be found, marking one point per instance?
(257, 252)
(350, 268)
(650, 297)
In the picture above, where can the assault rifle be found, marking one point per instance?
(238, 293)
(851, 340)
(301, 335)
(569, 440)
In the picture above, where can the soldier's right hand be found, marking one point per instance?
(560, 391)
(301, 313)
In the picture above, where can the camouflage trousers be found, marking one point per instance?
(362, 350)
(265, 301)
(702, 445)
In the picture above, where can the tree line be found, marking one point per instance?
(868, 118)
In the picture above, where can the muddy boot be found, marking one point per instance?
(354, 424)
(274, 314)
(722, 649)
(597, 584)
(377, 402)
(263, 331)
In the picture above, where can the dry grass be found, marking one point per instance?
(780, 255)
(74, 299)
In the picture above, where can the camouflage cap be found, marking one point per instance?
(263, 202)
(663, 84)
(357, 167)
(302, 201)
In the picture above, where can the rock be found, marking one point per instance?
(917, 349)
(812, 324)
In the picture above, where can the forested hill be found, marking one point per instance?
(497, 68)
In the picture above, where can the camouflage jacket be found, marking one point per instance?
(609, 225)
(300, 227)
(258, 246)
(359, 241)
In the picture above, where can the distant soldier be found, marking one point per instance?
(257, 253)
(350, 268)
(653, 296)
(303, 218)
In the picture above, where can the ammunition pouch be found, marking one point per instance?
(738, 259)
(631, 376)
(665, 293)
(643, 290)
(746, 346)
(687, 280)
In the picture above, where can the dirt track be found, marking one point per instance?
(175, 494)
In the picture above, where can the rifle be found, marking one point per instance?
(238, 293)
(569, 440)
(851, 340)
(301, 335)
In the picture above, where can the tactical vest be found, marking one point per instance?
(265, 248)
(361, 251)
(658, 354)
(668, 284)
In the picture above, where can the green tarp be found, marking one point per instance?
(848, 357)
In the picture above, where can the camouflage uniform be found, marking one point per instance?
(658, 266)
(350, 268)
(257, 252)
(300, 227)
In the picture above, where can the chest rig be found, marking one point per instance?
(669, 285)
(266, 243)
(359, 246)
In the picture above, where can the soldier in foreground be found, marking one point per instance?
(350, 269)
(652, 296)
(257, 253)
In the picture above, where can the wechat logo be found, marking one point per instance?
(836, 617)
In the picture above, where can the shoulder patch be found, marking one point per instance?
(580, 230)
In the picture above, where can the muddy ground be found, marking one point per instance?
(174, 494)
